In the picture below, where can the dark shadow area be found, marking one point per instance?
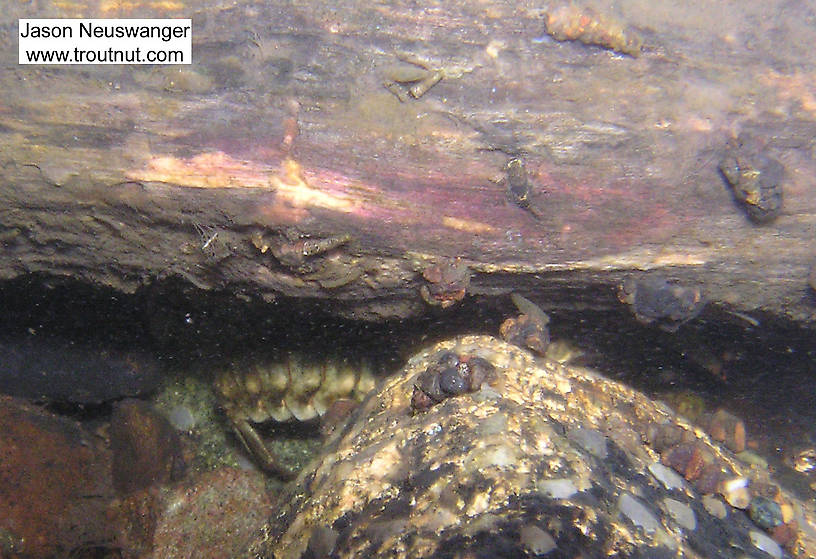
(756, 367)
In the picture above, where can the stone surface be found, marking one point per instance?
(146, 449)
(396, 483)
(52, 369)
(55, 485)
(214, 515)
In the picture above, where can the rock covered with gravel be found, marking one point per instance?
(538, 460)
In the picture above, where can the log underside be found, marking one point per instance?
(278, 165)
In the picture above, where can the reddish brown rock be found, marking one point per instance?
(55, 485)
(686, 459)
(146, 448)
(727, 428)
(216, 515)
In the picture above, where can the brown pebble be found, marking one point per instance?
(686, 459)
(54, 484)
(709, 479)
(663, 436)
(211, 514)
(785, 534)
(727, 428)
(696, 463)
(146, 448)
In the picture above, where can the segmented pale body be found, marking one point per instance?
(294, 388)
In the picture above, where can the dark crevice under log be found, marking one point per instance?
(281, 135)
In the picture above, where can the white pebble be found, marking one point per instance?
(536, 540)
(714, 506)
(681, 513)
(668, 477)
(736, 492)
(181, 418)
(591, 440)
(557, 488)
(638, 513)
(766, 544)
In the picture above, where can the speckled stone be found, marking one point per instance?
(536, 540)
(403, 484)
(214, 514)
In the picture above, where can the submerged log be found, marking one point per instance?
(341, 152)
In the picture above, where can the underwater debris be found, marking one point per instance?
(563, 351)
(654, 299)
(529, 329)
(447, 283)
(755, 180)
(294, 250)
(412, 78)
(291, 128)
(519, 189)
(451, 375)
(211, 244)
(580, 23)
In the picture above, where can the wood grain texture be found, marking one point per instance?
(281, 132)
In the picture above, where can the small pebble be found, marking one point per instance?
(668, 477)
(752, 459)
(181, 418)
(557, 488)
(681, 513)
(536, 540)
(765, 513)
(727, 428)
(715, 507)
(591, 440)
(805, 461)
(766, 544)
(736, 493)
(785, 534)
(638, 513)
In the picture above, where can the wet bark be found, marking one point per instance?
(279, 164)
